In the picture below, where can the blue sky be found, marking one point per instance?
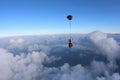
(30, 17)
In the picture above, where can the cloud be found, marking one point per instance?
(20, 67)
(77, 72)
(98, 68)
(29, 58)
(16, 41)
(114, 76)
(39, 47)
(107, 45)
(5, 64)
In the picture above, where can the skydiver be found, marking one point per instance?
(70, 43)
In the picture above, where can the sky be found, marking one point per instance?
(31, 17)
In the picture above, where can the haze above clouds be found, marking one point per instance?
(94, 56)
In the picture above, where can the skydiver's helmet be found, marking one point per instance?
(70, 43)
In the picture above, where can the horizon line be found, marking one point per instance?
(48, 34)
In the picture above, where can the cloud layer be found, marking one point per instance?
(94, 56)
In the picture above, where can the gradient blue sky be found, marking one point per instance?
(30, 17)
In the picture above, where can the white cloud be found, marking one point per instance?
(16, 41)
(98, 68)
(5, 64)
(29, 65)
(100, 78)
(107, 45)
(23, 67)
